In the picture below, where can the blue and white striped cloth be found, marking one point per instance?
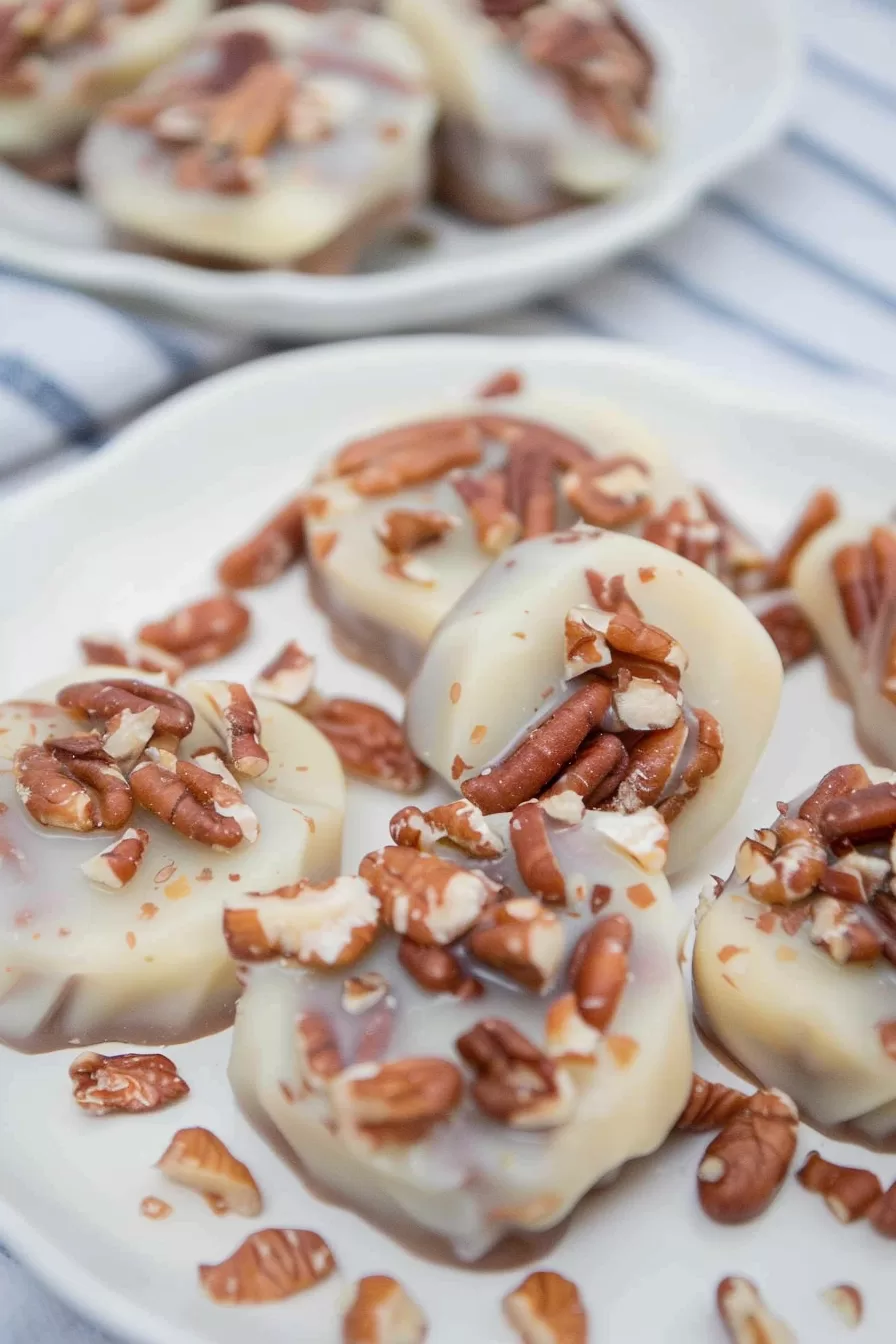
(785, 276)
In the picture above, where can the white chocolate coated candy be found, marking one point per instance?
(146, 964)
(74, 81)
(496, 665)
(793, 1016)
(816, 589)
(371, 85)
(472, 1180)
(387, 618)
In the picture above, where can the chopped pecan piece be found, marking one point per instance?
(685, 529)
(116, 865)
(270, 552)
(328, 924)
(570, 1040)
(548, 748)
(882, 1215)
(746, 1317)
(230, 710)
(435, 969)
(586, 641)
(649, 769)
(837, 783)
(857, 585)
(404, 530)
(710, 1106)
(107, 1083)
(745, 1164)
(398, 1102)
(431, 900)
(517, 1084)
(268, 1267)
(535, 859)
(846, 1302)
(861, 816)
(849, 1192)
(530, 490)
(72, 783)
(546, 1309)
(595, 773)
(794, 868)
(821, 509)
(198, 1159)
(460, 823)
(201, 632)
(599, 969)
(369, 743)
(790, 632)
(317, 1050)
(288, 678)
(496, 526)
(428, 457)
(521, 939)
(507, 383)
(844, 933)
(360, 993)
(100, 649)
(611, 493)
(381, 1312)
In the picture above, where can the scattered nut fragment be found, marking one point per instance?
(843, 932)
(229, 709)
(198, 1159)
(546, 1309)
(496, 526)
(102, 650)
(882, 1215)
(746, 1317)
(360, 993)
(429, 899)
(790, 632)
(326, 924)
(849, 1192)
(287, 678)
(154, 1208)
(381, 1312)
(435, 969)
(317, 1050)
(569, 1039)
(745, 1164)
(460, 823)
(822, 508)
(507, 383)
(268, 1267)
(790, 872)
(117, 864)
(599, 969)
(405, 530)
(201, 632)
(517, 1084)
(266, 555)
(70, 782)
(586, 642)
(128, 734)
(369, 743)
(106, 1083)
(846, 1302)
(398, 1102)
(535, 859)
(710, 1106)
(521, 939)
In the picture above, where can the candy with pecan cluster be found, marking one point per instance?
(61, 60)
(597, 662)
(403, 519)
(545, 103)
(279, 139)
(482, 1024)
(129, 812)
(846, 580)
(795, 954)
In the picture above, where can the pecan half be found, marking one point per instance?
(548, 748)
(710, 1106)
(381, 1312)
(70, 782)
(849, 1192)
(821, 509)
(201, 632)
(599, 970)
(107, 1083)
(516, 1083)
(746, 1317)
(369, 743)
(435, 969)
(460, 823)
(837, 783)
(431, 900)
(327, 924)
(185, 800)
(535, 859)
(404, 530)
(268, 1267)
(611, 493)
(270, 552)
(401, 1101)
(790, 632)
(843, 932)
(594, 773)
(288, 678)
(745, 1165)
(197, 1158)
(546, 1309)
(229, 709)
(106, 700)
(530, 490)
(522, 940)
(376, 448)
(862, 816)
(496, 526)
(428, 457)
(116, 865)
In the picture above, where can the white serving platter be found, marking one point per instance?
(728, 79)
(134, 532)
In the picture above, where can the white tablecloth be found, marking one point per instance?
(786, 276)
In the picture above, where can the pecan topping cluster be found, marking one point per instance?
(829, 865)
(865, 575)
(624, 739)
(40, 29)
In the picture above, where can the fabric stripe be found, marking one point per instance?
(48, 396)
(804, 143)
(824, 64)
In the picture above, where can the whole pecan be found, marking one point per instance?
(201, 632)
(178, 798)
(710, 1106)
(745, 1164)
(790, 632)
(516, 1084)
(268, 1267)
(599, 969)
(105, 700)
(106, 1083)
(369, 743)
(535, 859)
(849, 1192)
(549, 747)
(72, 783)
(270, 552)
(790, 871)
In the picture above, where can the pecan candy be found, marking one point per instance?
(605, 701)
(810, 897)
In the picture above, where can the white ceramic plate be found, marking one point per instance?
(728, 78)
(135, 531)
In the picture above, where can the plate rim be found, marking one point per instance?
(158, 279)
(40, 1253)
